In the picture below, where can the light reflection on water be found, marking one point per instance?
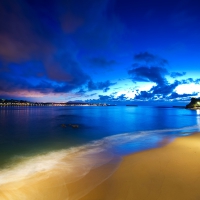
(198, 117)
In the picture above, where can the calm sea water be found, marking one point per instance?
(33, 138)
(34, 130)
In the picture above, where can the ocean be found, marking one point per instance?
(38, 143)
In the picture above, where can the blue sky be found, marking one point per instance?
(114, 51)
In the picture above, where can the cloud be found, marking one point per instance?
(153, 70)
(175, 95)
(190, 80)
(41, 43)
(144, 95)
(15, 84)
(165, 89)
(164, 92)
(99, 85)
(149, 68)
(18, 78)
(150, 58)
(105, 98)
(177, 74)
(110, 98)
(148, 74)
(32, 54)
(197, 81)
(122, 97)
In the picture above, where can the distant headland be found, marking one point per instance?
(12, 102)
(194, 104)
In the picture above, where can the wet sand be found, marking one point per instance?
(171, 172)
(59, 183)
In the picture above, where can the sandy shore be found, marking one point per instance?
(171, 172)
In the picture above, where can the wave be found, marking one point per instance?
(54, 173)
(49, 176)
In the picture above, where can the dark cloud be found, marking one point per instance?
(99, 85)
(144, 95)
(60, 79)
(122, 97)
(10, 84)
(37, 48)
(154, 71)
(150, 58)
(175, 95)
(165, 89)
(177, 74)
(148, 74)
(190, 80)
(187, 81)
(150, 70)
(47, 46)
(197, 81)
(111, 97)
(40, 43)
(164, 92)
(105, 98)
(28, 50)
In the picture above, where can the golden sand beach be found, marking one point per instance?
(171, 172)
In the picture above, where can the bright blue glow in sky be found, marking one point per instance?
(116, 51)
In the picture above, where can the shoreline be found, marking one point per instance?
(170, 172)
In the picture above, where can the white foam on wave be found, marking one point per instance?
(70, 160)
(124, 138)
(47, 176)
(74, 163)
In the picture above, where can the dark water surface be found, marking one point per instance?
(32, 130)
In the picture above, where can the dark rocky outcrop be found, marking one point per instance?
(194, 104)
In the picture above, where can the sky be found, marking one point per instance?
(108, 51)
